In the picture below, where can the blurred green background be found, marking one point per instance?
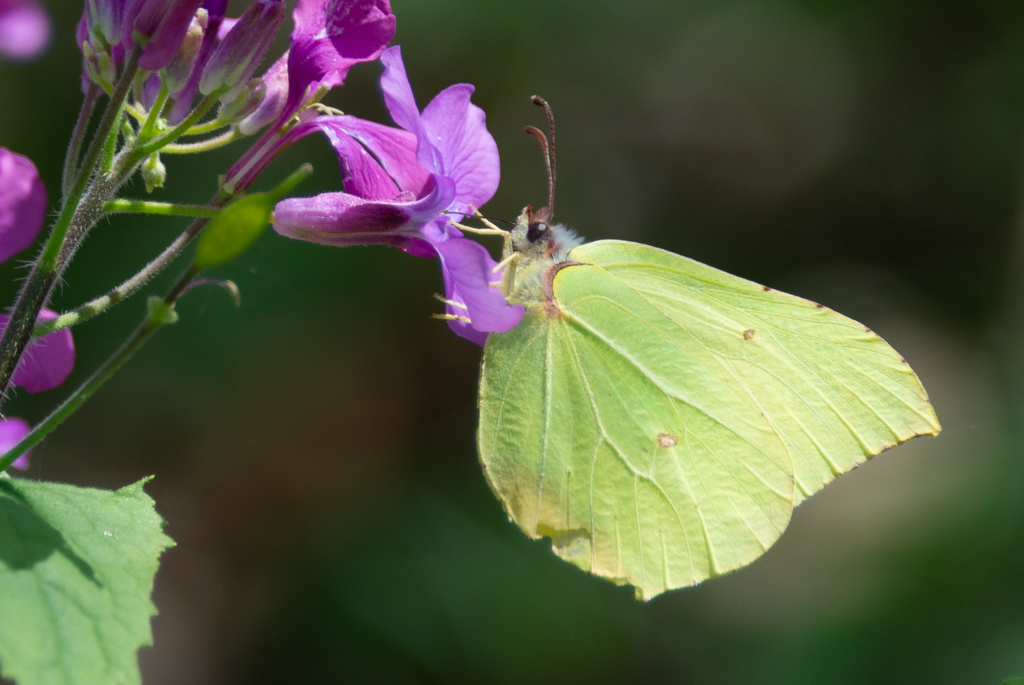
(314, 449)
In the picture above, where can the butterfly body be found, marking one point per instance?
(659, 419)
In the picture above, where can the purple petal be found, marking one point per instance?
(22, 203)
(331, 36)
(226, 25)
(24, 29)
(361, 174)
(47, 361)
(341, 219)
(468, 271)
(398, 95)
(12, 430)
(458, 131)
(163, 23)
(276, 81)
(393, 148)
(242, 49)
(103, 19)
(216, 8)
(344, 219)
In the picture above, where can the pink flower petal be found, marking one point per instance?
(47, 361)
(12, 430)
(22, 203)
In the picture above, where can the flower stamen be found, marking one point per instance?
(324, 109)
(451, 317)
(450, 303)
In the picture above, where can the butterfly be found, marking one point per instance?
(659, 419)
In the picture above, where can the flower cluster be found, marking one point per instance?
(403, 186)
(164, 65)
(49, 359)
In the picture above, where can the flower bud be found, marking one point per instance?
(275, 97)
(247, 102)
(103, 20)
(154, 173)
(236, 58)
(177, 72)
(99, 67)
(160, 26)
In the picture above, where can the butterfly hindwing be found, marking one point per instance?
(645, 461)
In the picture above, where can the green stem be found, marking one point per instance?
(154, 113)
(154, 321)
(135, 112)
(223, 139)
(161, 208)
(110, 148)
(208, 127)
(141, 335)
(133, 284)
(78, 138)
(155, 145)
(75, 214)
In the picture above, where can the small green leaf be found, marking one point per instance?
(232, 231)
(77, 567)
(1014, 681)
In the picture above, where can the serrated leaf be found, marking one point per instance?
(76, 574)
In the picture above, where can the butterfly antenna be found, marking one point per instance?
(548, 212)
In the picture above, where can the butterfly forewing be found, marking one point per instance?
(834, 391)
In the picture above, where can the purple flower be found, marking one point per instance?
(24, 29)
(48, 360)
(404, 186)
(11, 432)
(330, 37)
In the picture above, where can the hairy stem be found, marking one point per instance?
(143, 333)
(223, 139)
(154, 113)
(110, 148)
(79, 213)
(133, 284)
(78, 138)
(155, 145)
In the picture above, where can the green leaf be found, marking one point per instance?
(232, 231)
(659, 419)
(1014, 681)
(76, 574)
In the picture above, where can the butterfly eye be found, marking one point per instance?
(536, 230)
